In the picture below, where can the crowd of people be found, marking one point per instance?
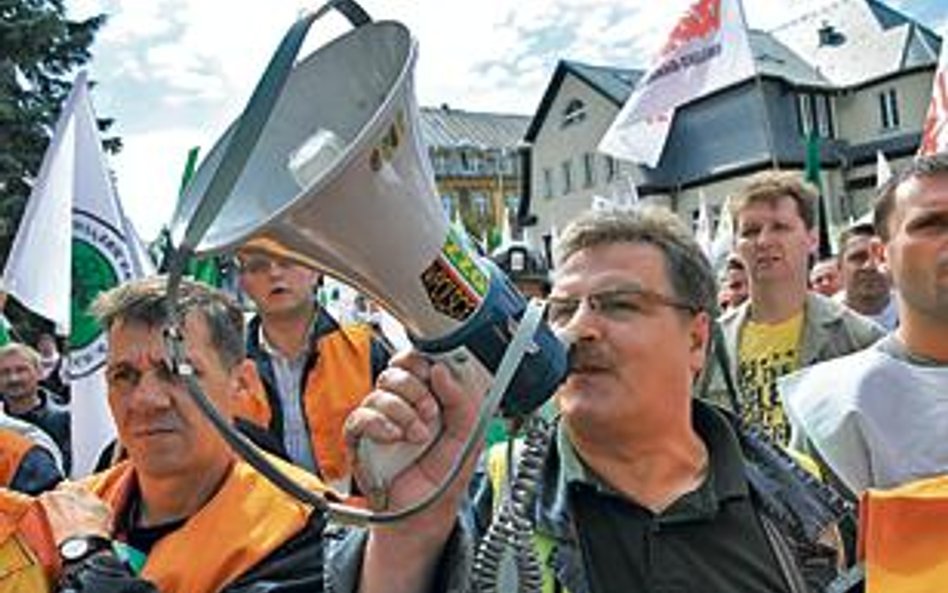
(716, 430)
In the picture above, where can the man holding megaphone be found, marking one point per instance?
(644, 487)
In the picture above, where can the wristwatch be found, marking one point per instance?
(77, 548)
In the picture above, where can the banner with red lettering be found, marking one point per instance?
(706, 51)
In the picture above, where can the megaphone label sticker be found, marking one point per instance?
(388, 145)
(455, 283)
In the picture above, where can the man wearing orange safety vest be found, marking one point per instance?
(182, 513)
(312, 370)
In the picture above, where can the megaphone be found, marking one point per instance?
(337, 178)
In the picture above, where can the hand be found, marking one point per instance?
(71, 510)
(403, 408)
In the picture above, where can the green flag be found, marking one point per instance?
(825, 248)
(206, 270)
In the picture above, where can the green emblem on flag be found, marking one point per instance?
(92, 273)
(100, 261)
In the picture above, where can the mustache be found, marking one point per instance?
(586, 356)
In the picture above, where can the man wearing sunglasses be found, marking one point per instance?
(313, 371)
(644, 487)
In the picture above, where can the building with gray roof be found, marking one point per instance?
(856, 73)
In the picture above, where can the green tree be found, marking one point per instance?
(40, 52)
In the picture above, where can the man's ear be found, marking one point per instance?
(877, 247)
(700, 334)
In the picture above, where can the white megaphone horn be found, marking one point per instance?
(327, 166)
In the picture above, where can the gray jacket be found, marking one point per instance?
(830, 330)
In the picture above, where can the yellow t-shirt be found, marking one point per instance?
(767, 351)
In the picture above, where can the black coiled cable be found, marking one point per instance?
(511, 530)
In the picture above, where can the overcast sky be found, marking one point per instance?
(173, 73)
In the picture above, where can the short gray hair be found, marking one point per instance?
(24, 350)
(688, 270)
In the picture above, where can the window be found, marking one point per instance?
(815, 113)
(589, 169)
(479, 201)
(547, 183)
(574, 113)
(465, 163)
(567, 177)
(824, 117)
(611, 169)
(804, 114)
(889, 109)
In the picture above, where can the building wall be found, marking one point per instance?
(859, 112)
(557, 144)
(726, 132)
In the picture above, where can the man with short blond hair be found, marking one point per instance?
(782, 326)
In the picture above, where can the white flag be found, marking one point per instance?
(935, 130)
(74, 191)
(883, 170)
(706, 51)
(723, 241)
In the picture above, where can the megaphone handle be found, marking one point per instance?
(382, 462)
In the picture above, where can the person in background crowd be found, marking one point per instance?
(867, 289)
(878, 417)
(526, 268)
(732, 285)
(24, 398)
(825, 277)
(783, 326)
(644, 487)
(313, 371)
(52, 369)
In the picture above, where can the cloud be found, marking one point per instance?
(174, 73)
(150, 167)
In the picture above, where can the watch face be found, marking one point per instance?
(75, 548)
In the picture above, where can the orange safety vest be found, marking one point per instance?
(903, 537)
(13, 448)
(335, 386)
(245, 521)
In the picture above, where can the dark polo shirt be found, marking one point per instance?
(709, 540)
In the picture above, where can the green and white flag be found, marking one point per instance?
(57, 274)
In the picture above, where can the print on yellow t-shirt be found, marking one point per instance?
(767, 352)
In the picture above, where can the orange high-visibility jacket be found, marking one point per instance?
(903, 537)
(335, 385)
(13, 448)
(244, 522)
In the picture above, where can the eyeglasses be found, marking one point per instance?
(620, 304)
(260, 264)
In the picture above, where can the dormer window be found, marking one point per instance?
(574, 113)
